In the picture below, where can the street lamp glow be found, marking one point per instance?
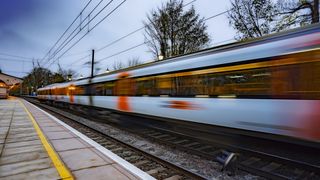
(160, 57)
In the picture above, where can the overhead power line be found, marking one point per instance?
(138, 45)
(67, 40)
(66, 30)
(123, 51)
(91, 29)
(77, 60)
(22, 72)
(133, 32)
(125, 36)
(78, 28)
(216, 15)
(15, 60)
(76, 54)
(10, 55)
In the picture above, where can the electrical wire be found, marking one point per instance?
(10, 55)
(127, 35)
(118, 53)
(66, 30)
(91, 29)
(138, 45)
(67, 40)
(133, 32)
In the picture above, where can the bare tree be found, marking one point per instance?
(65, 73)
(118, 65)
(251, 18)
(255, 18)
(134, 61)
(171, 31)
(38, 77)
(297, 13)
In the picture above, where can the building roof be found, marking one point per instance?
(10, 80)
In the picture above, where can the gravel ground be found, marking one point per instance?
(207, 168)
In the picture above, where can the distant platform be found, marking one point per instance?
(36, 145)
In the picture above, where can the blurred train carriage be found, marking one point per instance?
(269, 86)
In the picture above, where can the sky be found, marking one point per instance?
(29, 29)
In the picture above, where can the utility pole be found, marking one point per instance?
(92, 63)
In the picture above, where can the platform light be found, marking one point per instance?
(71, 88)
(160, 57)
(227, 96)
(107, 70)
(69, 77)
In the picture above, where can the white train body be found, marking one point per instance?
(293, 113)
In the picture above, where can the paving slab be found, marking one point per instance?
(100, 173)
(68, 144)
(59, 135)
(4, 129)
(1, 148)
(50, 129)
(23, 144)
(124, 171)
(25, 166)
(82, 158)
(49, 173)
(21, 135)
(49, 124)
(24, 156)
(18, 129)
(21, 139)
(24, 150)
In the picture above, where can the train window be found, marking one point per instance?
(165, 85)
(98, 89)
(62, 91)
(284, 77)
(145, 86)
(79, 90)
(240, 83)
(109, 88)
(300, 81)
(186, 85)
(125, 87)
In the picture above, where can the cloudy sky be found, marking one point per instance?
(28, 29)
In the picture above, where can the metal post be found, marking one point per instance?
(92, 63)
(20, 88)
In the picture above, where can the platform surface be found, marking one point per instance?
(24, 155)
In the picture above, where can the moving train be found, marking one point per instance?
(268, 86)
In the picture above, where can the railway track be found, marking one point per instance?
(255, 162)
(156, 167)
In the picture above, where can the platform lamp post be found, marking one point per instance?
(92, 63)
(69, 77)
(160, 57)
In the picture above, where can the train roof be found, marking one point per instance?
(272, 45)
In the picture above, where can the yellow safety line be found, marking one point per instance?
(61, 168)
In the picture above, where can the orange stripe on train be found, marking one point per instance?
(183, 105)
(123, 103)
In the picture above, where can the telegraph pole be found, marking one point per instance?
(92, 63)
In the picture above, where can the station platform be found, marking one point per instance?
(36, 145)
